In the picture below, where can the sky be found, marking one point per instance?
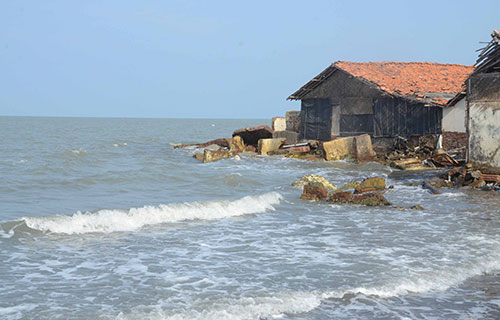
(212, 59)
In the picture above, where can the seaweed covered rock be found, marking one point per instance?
(371, 184)
(371, 199)
(314, 191)
(236, 144)
(215, 155)
(315, 178)
(351, 185)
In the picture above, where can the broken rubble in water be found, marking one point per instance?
(215, 155)
(314, 191)
(268, 145)
(317, 179)
(252, 135)
(367, 199)
(371, 184)
(356, 147)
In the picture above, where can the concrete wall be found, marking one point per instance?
(484, 118)
(454, 117)
(484, 132)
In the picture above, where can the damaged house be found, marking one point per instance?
(383, 99)
(481, 104)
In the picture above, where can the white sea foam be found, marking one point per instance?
(277, 305)
(6, 234)
(111, 220)
(79, 152)
(119, 144)
(239, 309)
(439, 280)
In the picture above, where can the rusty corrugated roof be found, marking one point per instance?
(422, 81)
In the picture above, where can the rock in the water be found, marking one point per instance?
(417, 207)
(213, 147)
(198, 156)
(367, 199)
(314, 191)
(252, 135)
(235, 144)
(371, 184)
(350, 185)
(215, 155)
(268, 145)
(315, 178)
(250, 149)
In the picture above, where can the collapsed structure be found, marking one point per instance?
(480, 100)
(382, 99)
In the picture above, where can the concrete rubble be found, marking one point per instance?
(317, 179)
(252, 135)
(268, 145)
(414, 153)
(368, 192)
(356, 147)
(279, 123)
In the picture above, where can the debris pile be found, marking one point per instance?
(420, 153)
(475, 176)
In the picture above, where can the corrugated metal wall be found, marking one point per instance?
(398, 117)
(316, 119)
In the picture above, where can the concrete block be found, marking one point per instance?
(215, 155)
(236, 144)
(290, 136)
(268, 145)
(279, 123)
(364, 149)
(339, 149)
(293, 121)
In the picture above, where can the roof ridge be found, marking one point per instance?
(403, 62)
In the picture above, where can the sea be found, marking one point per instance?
(104, 219)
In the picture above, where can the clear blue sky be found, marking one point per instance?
(211, 59)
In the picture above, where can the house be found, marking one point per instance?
(481, 103)
(383, 99)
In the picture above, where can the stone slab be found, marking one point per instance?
(279, 123)
(290, 136)
(268, 145)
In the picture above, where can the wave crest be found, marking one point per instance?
(112, 220)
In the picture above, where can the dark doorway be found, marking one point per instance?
(316, 118)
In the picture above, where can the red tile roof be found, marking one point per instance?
(408, 78)
(414, 80)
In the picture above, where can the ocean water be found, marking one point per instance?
(103, 219)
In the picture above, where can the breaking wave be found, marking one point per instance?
(282, 303)
(432, 281)
(112, 220)
(275, 306)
